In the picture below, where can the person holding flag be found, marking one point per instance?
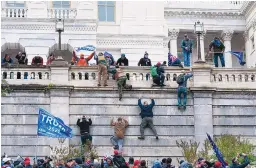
(218, 49)
(174, 61)
(86, 53)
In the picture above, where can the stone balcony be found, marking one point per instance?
(204, 77)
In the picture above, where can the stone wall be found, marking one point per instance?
(215, 112)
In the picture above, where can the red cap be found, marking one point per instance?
(116, 152)
(217, 164)
(26, 161)
(136, 162)
(158, 64)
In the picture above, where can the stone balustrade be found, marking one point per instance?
(69, 13)
(231, 5)
(137, 76)
(15, 12)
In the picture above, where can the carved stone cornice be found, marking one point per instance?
(227, 35)
(173, 33)
(246, 36)
(252, 24)
(50, 27)
(204, 14)
(129, 42)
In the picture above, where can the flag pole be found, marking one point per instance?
(36, 147)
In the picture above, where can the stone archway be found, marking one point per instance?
(66, 52)
(12, 49)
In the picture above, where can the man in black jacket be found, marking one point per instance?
(22, 59)
(145, 61)
(123, 61)
(84, 129)
(147, 117)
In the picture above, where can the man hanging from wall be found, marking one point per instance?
(157, 72)
(119, 127)
(84, 126)
(186, 46)
(182, 88)
(102, 69)
(218, 49)
(121, 79)
(147, 117)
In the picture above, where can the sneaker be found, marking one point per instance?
(105, 85)
(184, 107)
(140, 137)
(99, 84)
(157, 138)
(179, 107)
(116, 147)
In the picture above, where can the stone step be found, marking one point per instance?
(104, 120)
(98, 140)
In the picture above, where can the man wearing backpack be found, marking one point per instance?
(118, 160)
(218, 49)
(121, 79)
(157, 72)
(182, 88)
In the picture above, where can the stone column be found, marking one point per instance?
(59, 98)
(59, 72)
(247, 49)
(227, 36)
(173, 34)
(202, 45)
(202, 115)
(253, 57)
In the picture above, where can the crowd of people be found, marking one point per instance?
(118, 161)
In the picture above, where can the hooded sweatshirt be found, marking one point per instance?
(120, 128)
(157, 164)
(146, 111)
(84, 126)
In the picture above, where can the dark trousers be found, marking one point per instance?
(121, 83)
(147, 122)
(86, 137)
(215, 59)
(159, 79)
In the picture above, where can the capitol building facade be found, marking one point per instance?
(129, 27)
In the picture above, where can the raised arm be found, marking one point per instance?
(90, 56)
(246, 162)
(152, 103)
(78, 122)
(139, 103)
(139, 63)
(126, 123)
(90, 121)
(112, 123)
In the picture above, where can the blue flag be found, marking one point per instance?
(217, 151)
(109, 58)
(239, 56)
(51, 126)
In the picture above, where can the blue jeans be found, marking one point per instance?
(215, 59)
(182, 90)
(117, 142)
(186, 58)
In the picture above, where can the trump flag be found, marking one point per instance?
(51, 126)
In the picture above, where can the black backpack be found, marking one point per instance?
(120, 162)
(180, 79)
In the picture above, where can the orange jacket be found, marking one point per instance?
(84, 61)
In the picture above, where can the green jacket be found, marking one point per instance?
(243, 165)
